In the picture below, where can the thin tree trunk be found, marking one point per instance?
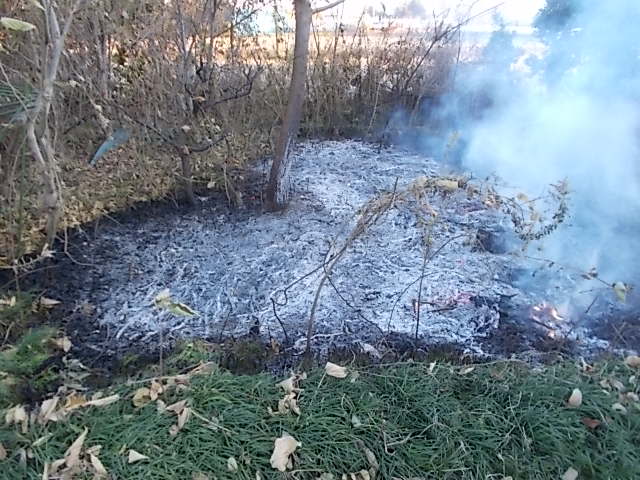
(187, 175)
(277, 194)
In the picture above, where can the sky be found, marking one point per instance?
(515, 12)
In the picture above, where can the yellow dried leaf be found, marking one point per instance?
(74, 401)
(48, 302)
(72, 455)
(334, 370)
(232, 464)
(447, 184)
(571, 474)
(134, 457)
(101, 402)
(3, 453)
(98, 467)
(575, 400)
(177, 407)
(141, 397)
(282, 450)
(155, 389)
(47, 410)
(632, 361)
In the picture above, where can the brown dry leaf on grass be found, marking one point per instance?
(48, 302)
(570, 474)
(98, 467)
(335, 371)
(183, 412)
(289, 404)
(46, 412)
(232, 464)
(282, 450)
(619, 408)
(3, 453)
(632, 361)
(575, 400)
(141, 397)
(591, 423)
(103, 401)
(72, 455)
(134, 457)
(17, 416)
(63, 344)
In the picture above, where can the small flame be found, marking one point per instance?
(546, 310)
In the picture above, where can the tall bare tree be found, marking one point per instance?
(278, 188)
(37, 129)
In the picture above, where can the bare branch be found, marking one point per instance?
(326, 7)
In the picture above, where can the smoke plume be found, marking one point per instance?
(575, 116)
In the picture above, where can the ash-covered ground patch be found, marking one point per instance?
(247, 272)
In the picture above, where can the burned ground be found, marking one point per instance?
(247, 273)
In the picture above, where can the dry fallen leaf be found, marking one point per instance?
(49, 302)
(289, 403)
(355, 421)
(621, 291)
(633, 397)
(98, 466)
(136, 457)
(47, 409)
(74, 400)
(334, 370)
(154, 390)
(575, 400)
(288, 385)
(617, 384)
(232, 464)
(199, 476)
(591, 423)
(17, 415)
(447, 184)
(283, 448)
(101, 402)
(72, 455)
(571, 474)
(177, 407)
(618, 407)
(141, 397)
(63, 344)
(183, 417)
(467, 370)
(3, 452)
(632, 361)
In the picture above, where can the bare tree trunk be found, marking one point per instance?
(277, 194)
(187, 178)
(39, 144)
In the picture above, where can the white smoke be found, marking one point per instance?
(579, 120)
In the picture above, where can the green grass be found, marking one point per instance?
(502, 419)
